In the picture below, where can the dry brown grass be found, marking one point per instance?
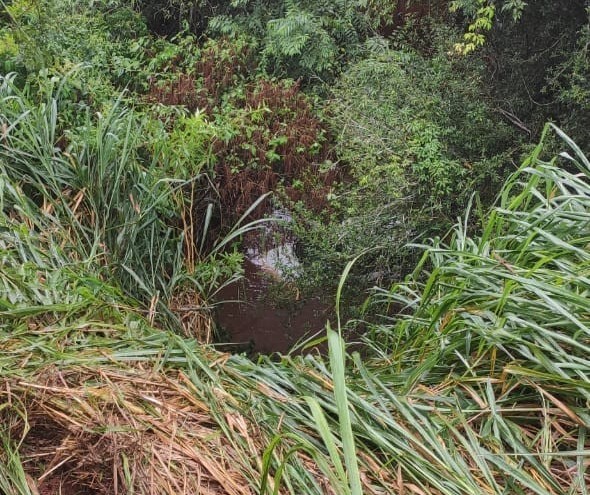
(132, 430)
(194, 315)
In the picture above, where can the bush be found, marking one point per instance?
(263, 133)
(273, 138)
(55, 36)
(417, 138)
(295, 39)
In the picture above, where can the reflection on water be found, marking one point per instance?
(279, 262)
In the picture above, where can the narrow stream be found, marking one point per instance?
(267, 313)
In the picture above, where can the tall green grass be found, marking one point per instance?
(494, 332)
(94, 191)
(89, 186)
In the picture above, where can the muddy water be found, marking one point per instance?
(267, 313)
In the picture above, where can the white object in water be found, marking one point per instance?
(278, 261)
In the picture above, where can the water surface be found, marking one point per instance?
(267, 313)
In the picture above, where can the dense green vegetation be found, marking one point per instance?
(143, 144)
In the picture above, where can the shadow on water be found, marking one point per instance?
(264, 312)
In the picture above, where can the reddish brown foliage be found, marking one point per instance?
(277, 138)
(221, 66)
(285, 143)
(180, 91)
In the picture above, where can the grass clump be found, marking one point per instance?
(106, 193)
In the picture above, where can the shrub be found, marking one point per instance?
(417, 139)
(274, 138)
(265, 133)
(213, 73)
(295, 39)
